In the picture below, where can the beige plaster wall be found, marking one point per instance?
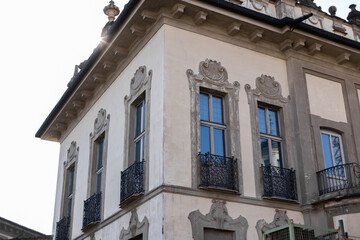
(185, 50)
(113, 101)
(178, 208)
(351, 223)
(152, 210)
(326, 98)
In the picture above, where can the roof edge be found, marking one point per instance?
(89, 63)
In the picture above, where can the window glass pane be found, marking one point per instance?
(205, 139)
(217, 110)
(219, 143)
(337, 150)
(204, 107)
(69, 205)
(262, 120)
(327, 150)
(264, 151)
(273, 122)
(100, 155)
(98, 182)
(139, 146)
(276, 154)
(139, 119)
(71, 181)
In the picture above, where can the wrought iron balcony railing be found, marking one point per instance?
(132, 181)
(62, 229)
(279, 182)
(337, 178)
(218, 172)
(92, 210)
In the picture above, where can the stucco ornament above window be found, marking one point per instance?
(135, 228)
(217, 218)
(213, 72)
(280, 218)
(268, 87)
(101, 121)
(139, 79)
(72, 153)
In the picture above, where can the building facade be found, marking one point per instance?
(209, 119)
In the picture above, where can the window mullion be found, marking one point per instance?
(267, 121)
(212, 145)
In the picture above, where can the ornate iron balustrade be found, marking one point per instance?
(218, 172)
(279, 182)
(132, 181)
(63, 229)
(337, 178)
(92, 210)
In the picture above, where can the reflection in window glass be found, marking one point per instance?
(337, 150)
(262, 120)
(217, 110)
(327, 150)
(100, 154)
(270, 139)
(273, 123)
(276, 153)
(205, 139)
(204, 107)
(139, 119)
(98, 182)
(265, 151)
(219, 142)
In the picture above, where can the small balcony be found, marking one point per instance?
(92, 210)
(218, 172)
(338, 178)
(279, 183)
(132, 181)
(62, 229)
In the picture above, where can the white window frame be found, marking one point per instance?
(141, 137)
(331, 133)
(211, 124)
(270, 137)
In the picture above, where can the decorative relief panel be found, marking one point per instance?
(280, 218)
(140, 79)
(72, 154)
(100, 122)
(217, 218)
(260, 5)
(267, 87)
(135, 228)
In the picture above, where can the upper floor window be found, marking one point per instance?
(332, 149)
(212, 125)
(98, 170)
(139, 138)
(270, 136)
(70, 190)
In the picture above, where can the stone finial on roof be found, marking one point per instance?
(354, 15)
(111, 11)
(332, 11)
(309, 3)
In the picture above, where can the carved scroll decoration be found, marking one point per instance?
(260, 5)
(139, 79)
(280, 218)
(268, 87)
(101, 121)
(72, 154)
(135, 228)
(217, 218)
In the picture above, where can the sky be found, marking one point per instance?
(41, 42)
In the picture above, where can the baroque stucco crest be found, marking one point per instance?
(217, 218)
(211, 73)
(268, 87)
(101, 121)
(280, 218)
(139, 79)
(72, 152)
(135, 228)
